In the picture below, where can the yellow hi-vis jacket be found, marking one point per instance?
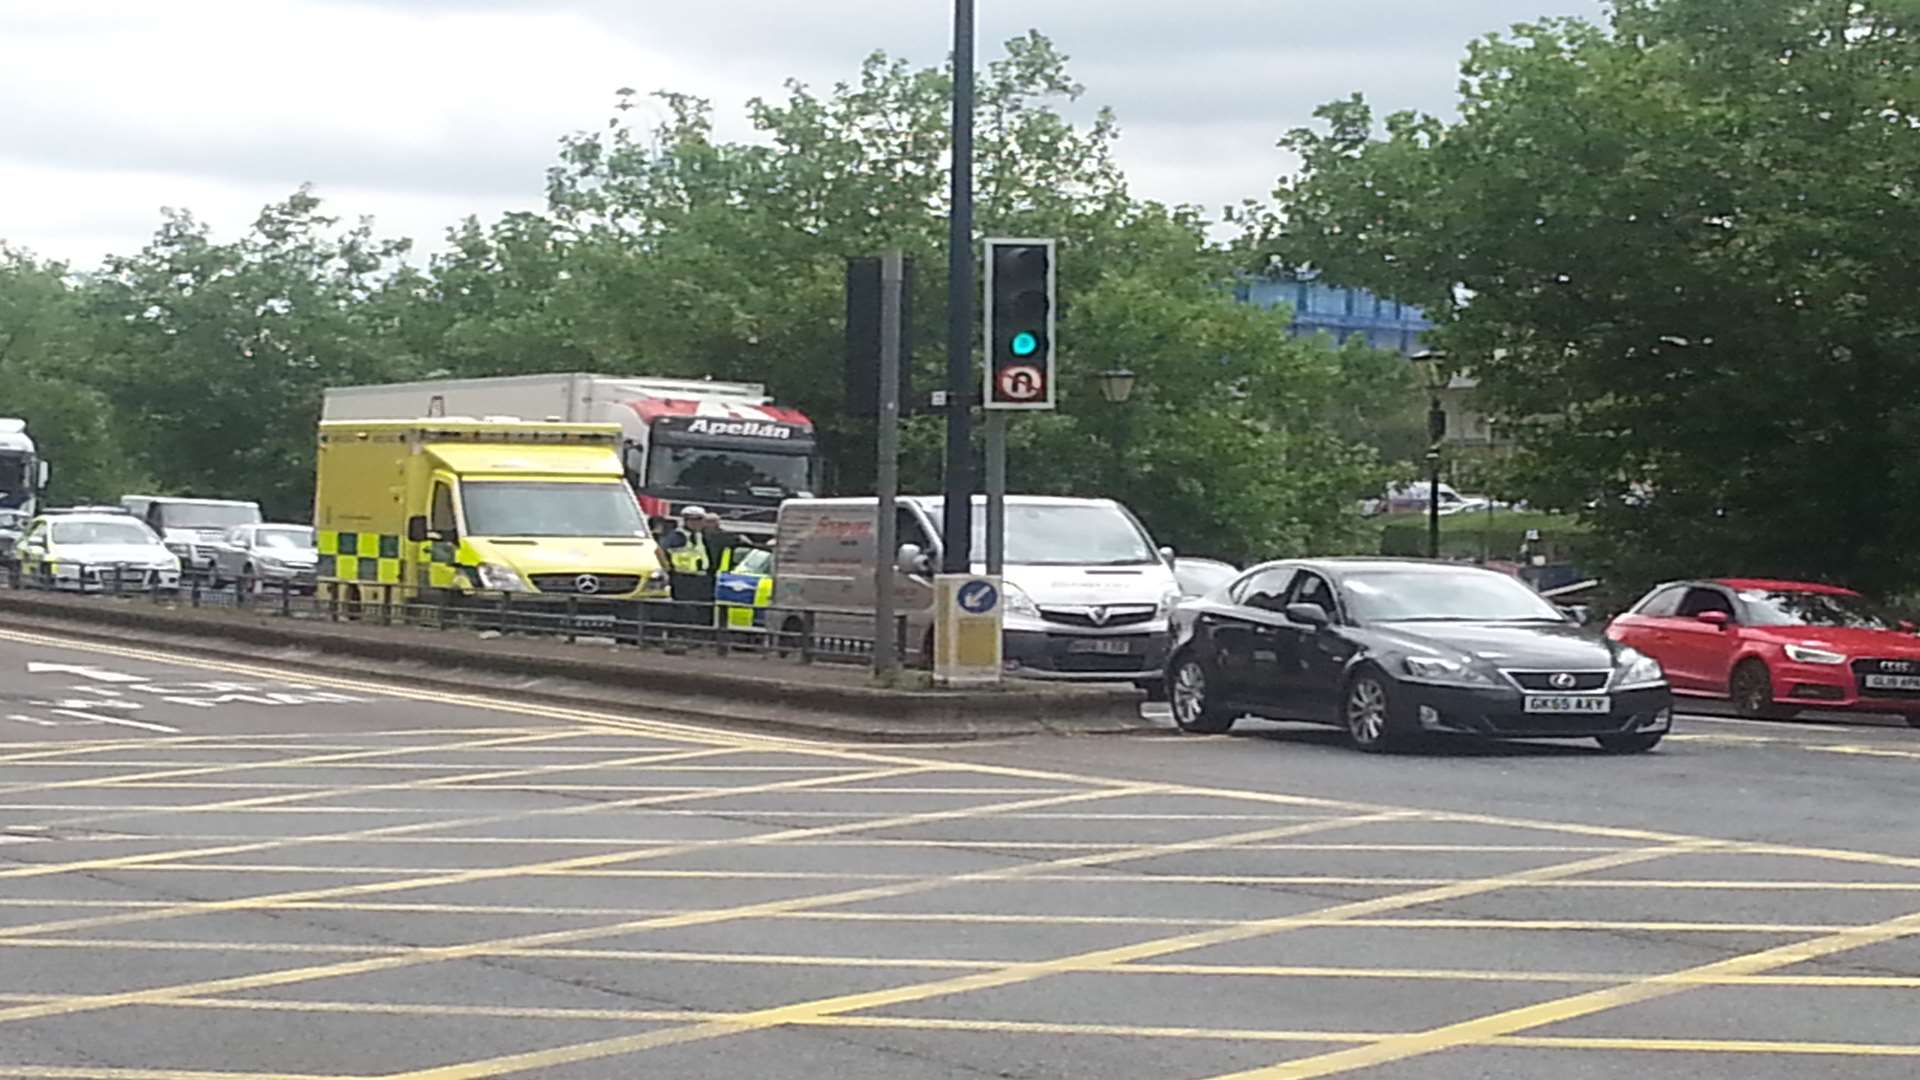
(691, 557)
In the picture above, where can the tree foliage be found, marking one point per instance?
(214, 355)
(669, 251)
(47, 369)
(1672, 250)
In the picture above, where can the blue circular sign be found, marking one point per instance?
(977, 597)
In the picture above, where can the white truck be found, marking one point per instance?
(23, 476)
(684, 442)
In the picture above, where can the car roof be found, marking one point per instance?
(191, 500)
(1775, 585)
(86, 517)
(1347, 564)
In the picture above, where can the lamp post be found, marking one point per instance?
(1438, 376)
(1116, 386)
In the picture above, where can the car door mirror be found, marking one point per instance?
(1167, 555)
(417, 529)
(1717, 619)
(43, 476)
(911, 560)
(1309, 614)
(1579, 614)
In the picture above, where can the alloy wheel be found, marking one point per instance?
(1367, 712)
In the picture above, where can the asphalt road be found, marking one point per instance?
(211, 870)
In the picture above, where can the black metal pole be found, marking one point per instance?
(1433, 501)
(957, 529)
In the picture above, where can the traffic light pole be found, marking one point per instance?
(996, 492)
(957, 529)
(886, 656)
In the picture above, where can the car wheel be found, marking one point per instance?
(1752, 691)
(1194, 709)
(1638, 742)
(1368, 712)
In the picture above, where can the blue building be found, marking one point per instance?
(1342, 313)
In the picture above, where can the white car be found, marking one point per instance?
(96, 553)
(252, 557)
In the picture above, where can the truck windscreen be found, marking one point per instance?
(16, 479)
(517, 508)
(704, 471)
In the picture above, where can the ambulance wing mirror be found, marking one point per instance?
(636, 462)
(43, 477)
(417, 529)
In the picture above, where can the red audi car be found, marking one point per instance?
(1776, 647)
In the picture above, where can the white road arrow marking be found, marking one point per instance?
(87, 703)
(120, 720)
(98, 674)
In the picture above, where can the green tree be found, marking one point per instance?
(47, 367)
(672, 252)
(215, 354)
(1674, 251)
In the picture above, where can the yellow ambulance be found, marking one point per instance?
(433, 510)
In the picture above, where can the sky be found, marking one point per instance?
(419, 113)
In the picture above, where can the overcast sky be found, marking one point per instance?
(420, 112)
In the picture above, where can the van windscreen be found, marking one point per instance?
(1064, 534)
(183, 515)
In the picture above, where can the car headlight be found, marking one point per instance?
(1441, 670)
(500, 578)
(1807, 654)
(1018, 602)
(1635, 668)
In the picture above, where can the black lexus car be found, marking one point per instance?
(1393, 649)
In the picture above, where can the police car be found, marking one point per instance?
(745, 589)
(95, 552)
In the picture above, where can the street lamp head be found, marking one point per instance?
(1116, 385)
(1434, 366)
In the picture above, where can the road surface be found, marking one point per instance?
(211, 870)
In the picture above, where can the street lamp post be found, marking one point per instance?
(1116, 386)
(1438, 375)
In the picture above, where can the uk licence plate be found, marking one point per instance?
(1102, 646)
(1893, 682)
(1599, 704)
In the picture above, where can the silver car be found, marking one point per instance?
(257, 557)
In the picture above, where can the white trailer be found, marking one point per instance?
(686, 442)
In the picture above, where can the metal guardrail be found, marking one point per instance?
(665, 625)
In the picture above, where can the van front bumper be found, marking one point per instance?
(1140, 656)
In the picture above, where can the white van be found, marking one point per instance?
(1087, 592)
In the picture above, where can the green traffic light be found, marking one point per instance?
(1025, 344)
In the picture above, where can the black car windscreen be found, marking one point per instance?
(1444, 596)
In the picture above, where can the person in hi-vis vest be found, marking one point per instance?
(696, 551)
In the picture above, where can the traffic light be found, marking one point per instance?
(1019, 324)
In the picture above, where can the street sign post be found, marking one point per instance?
(966, 634)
